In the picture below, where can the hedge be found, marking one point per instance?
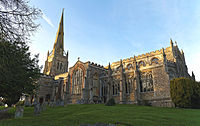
(185, 93)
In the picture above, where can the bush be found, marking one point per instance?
(196, 95)
(1, 103)
(185, 93)
(111, 102)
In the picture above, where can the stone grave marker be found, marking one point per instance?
(19, 112)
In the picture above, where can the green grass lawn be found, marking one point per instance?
(73, 115)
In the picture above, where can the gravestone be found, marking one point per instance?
(27, 101)
(19, 112)
(37, 108)
(62, 103)
(44, 105)
(52, 104)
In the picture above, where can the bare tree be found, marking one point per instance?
(17, 20)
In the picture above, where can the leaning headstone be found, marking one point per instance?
(19, 112)
(62, 103)
(44, 106)
(27, 102)
(52, 104)
(57, 103)
(37, 108)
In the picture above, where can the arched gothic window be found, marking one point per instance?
(142, 63)
(146, 84)
(129, 66)
(154, 60)
(77, 81)
(118, 88)
(128, 86)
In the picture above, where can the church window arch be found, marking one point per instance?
(116, 90)
(129, 86)
(142, 63)
(77, 81)
(154, 60)
(129, 66)
(146, 84)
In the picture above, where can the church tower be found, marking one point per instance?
(57, 60)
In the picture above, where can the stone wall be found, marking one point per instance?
(45, 88)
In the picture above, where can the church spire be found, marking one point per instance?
(59, 45)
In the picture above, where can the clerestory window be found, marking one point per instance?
(154, 60)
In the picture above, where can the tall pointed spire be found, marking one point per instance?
(59, 45)
(57, 60)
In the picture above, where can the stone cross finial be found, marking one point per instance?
(78, 58)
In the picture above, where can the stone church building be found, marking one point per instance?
(138, 79)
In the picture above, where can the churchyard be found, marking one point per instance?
(121, 115)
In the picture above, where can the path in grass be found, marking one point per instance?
(73, 115)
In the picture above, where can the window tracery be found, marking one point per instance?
(129, 66)
(77, 81)
(142, 63)
(146, 84)
(154, 60)
(128, 86)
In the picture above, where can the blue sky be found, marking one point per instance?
(104, 31)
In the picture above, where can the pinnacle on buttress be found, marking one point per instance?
(193, 76)
(171, 42)
(109, 66)
(163, 52)
(135, 59)
(109, 70)
(121, 62)
(182, 51)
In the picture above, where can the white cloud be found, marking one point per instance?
(47, 20)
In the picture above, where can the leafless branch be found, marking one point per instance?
(17, 19)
